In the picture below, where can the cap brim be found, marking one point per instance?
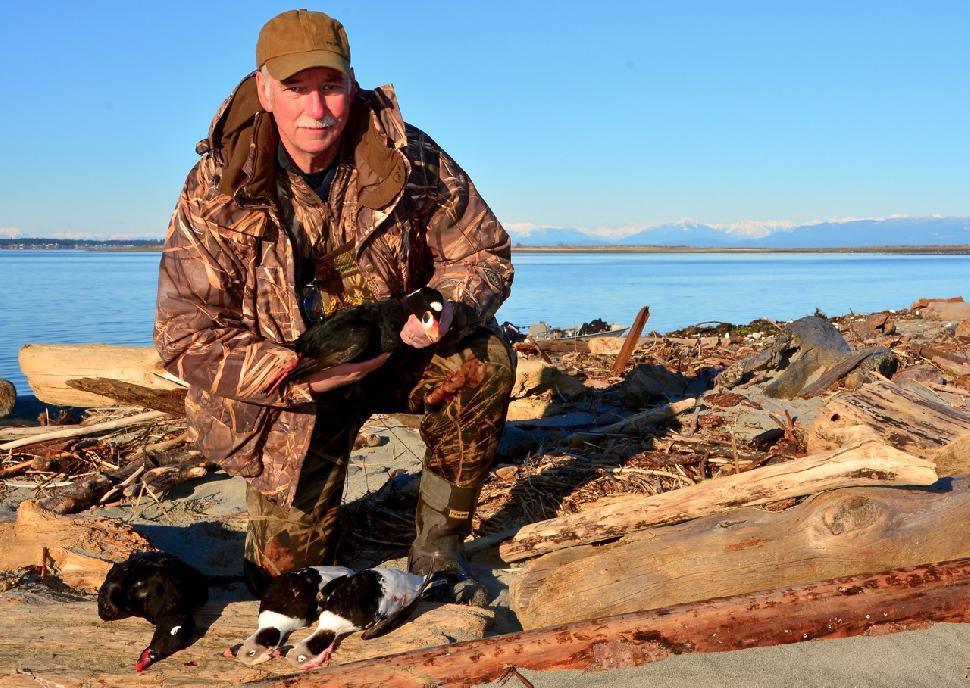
(285, 66)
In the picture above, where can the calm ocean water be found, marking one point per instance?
(79, 296)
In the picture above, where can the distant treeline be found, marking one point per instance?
(82, 244)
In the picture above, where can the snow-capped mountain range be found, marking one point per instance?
(897, 231)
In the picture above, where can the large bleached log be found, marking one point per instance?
(865, 463)
(49, 367)
(839, 533)
(894, 600)
(895, 413)
(64, 643)
(79, 551)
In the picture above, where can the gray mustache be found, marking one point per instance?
(310, 123)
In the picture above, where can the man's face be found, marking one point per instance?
(311, 110)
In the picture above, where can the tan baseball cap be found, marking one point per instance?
(300, 39)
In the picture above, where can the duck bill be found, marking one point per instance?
(145, 660)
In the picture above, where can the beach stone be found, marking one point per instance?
(948, 311)
(533, 407)
(921, 303)
(8, 397)
(516, 443)
(805, 349)
(606, 345)
(536, 377)
(962, 329)
(880, 323)
(923, 372)
(647, 383)
(881, 362)
(802, 352)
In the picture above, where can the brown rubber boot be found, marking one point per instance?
(443, 519)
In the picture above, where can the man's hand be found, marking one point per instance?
(415, 334)
(344, 374)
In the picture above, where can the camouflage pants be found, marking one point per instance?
(463, 390)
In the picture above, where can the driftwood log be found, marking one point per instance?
(153, 472)
(865, 463)
(630, 343)
(855, 369)
(171, 401)
(82, 430)
(49, 368)
(645, 421)
(895, 600)
(900, 416)
(79, 551)
(607, 344)
(839, 533)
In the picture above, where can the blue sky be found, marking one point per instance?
(608, 115)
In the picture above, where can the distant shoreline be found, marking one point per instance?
(954, 249)
(148, 246)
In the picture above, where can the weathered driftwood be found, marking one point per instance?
(642, 422)
(854, 367)
(154, 472)
(97, 653)
(16, 433)
(48, 367)
(895, 413)
(162, 479)
(630, 343)
(894, 600)
(839, 533)
(866, 463)
(79, 551)
(171, 401)
(802, 351)
(607, 344)
(15, 469)
(954, 362)
(954, 458)
(81, 430)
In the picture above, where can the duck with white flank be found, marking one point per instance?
(365, 331)
(291, 602)
(376, 599)
(158, 587)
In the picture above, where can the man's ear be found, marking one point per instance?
(261, 86)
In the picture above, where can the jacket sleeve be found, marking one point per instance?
(202, 332)
(472, 252)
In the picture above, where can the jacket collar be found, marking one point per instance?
(243, 141)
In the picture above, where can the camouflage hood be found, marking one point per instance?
(243, 140)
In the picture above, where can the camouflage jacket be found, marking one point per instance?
(227, 299)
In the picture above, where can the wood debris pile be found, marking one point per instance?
(731, 430)
(107, 455)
